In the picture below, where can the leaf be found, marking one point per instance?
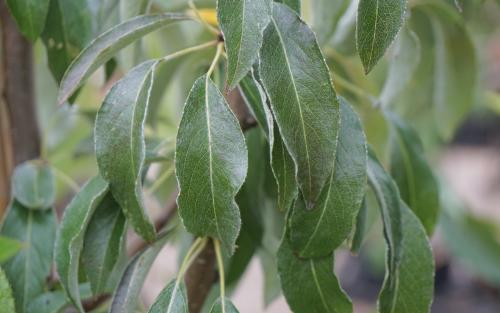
(242, 23)
(29, 269)
(67, 32)
(211, 165)
(403, 65)
(172, 299)
(326, 16)
(8, 248)
(29, 15)
(33, 185)
(377, 25)
(126, 294)
(55, 301)
(413, 175)
(223, 306)
(120, 144)
(107, 45)
(71, 234)
(6, 298)
(361, 228)
(103, 243)
(293, 4)
(319, 232)
(310, 285)
(306, 112)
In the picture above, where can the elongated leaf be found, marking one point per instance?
(172, 299)
(103, 243)
(71, 233)
(106, 45)
(361, 228)
(306, 112)
(120, 145)
(126, 294)
(67, 32)
(211, 165)
(377, 25)
(310, 285)
(283, 169)
(55, 301)
(319, 232)
(293, 4)
(29, 15)
(242, 23)
(416, 182)
(29, 269)
(6, 298)
(8, 248)
(223, 306)
(33, 185)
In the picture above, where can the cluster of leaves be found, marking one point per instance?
(292, 189)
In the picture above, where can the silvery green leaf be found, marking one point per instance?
(293, 4)
(33, 185)
(8, 248)
(172, 299)
(223, 306)
(6, 298)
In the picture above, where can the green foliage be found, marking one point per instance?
(33, 185)
(8, 248)
(30, 16)
(172, 299)
(6, 298)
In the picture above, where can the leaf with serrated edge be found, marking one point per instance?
(6, 298)
(223, 307)
(242, 23)
(319, 232)
(211, 165)
(33, 185)
(172, 299)
(293, 4)
(307, 113)
(28, 270)
(120, 143)
(377, 25)
(29, 15)
(71, 234)
(8, 248)
(109, 43)
(127, 293)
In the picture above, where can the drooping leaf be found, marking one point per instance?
(106, 45)
(6, 298)
(361, 228)
(67, 31)
(378, 23)
(310, 285)
(71, 234)
(172, 299)
(223, 306)
(8, 248)
(29, 15)
(319, 232)
(326, 15)
(29, 269)
(103, 243)
(211, 165)
(413, 175)
(403, 65)
(33, 185)
(293, 4)
(127, 293)
(55, 301)
(120, 144)
(306, 112)
(283, 169)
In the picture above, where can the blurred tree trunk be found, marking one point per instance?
(19, 134)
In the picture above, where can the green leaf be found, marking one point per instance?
(361, 228)
(172, 299)
(242, 23)
(33, 185)
(377, 25)
(107, 45)
(8, 248)
(223, 306)
(319, 232)
(326, 15)
(211, 165)
(6, 298)
(103, 243)
(306, 112)
(120, 144)
(71, 234)
(403, 65)
(127, 293)
(293, 4)
(29, 15)
(55, 301)
(413, 175)
(283, 169)
(67, 32)
(310, 285)
(28, 270)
